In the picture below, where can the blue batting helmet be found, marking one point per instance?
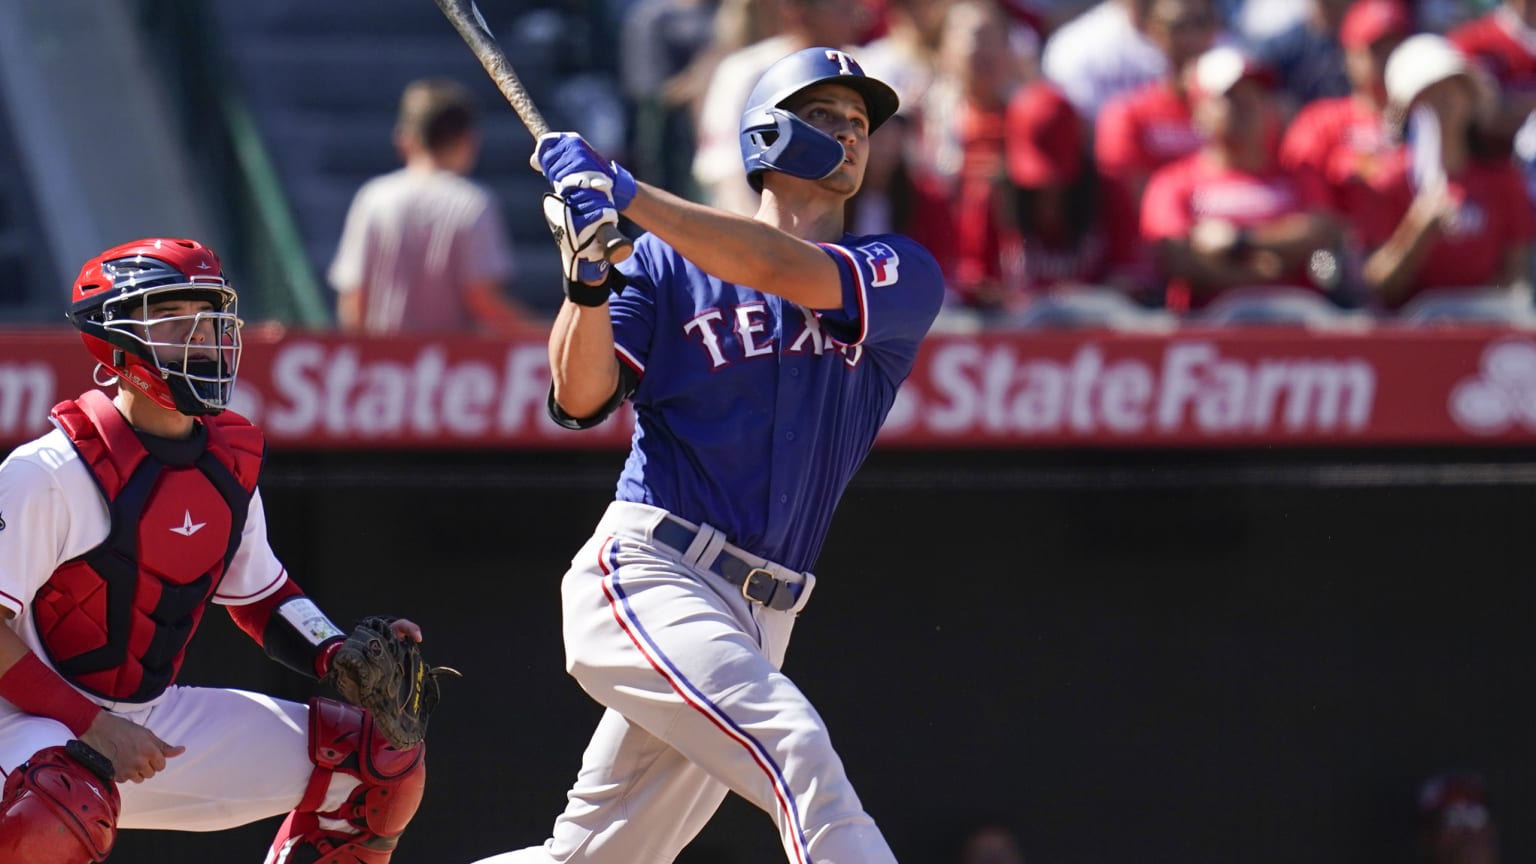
(774, 139)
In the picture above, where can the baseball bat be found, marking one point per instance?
(465, 17)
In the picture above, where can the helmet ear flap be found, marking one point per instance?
(777, 140)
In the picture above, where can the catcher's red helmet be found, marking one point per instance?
(185, 363)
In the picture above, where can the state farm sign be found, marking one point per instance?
(1180, 388)
(335, 390)
(1223, 388)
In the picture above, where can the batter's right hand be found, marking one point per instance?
(137, 754)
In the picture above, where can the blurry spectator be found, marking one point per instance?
(1258, 20)
(1307, 56)
(1142, 130)
(1045, 16)
(1059, 216)
(1455, 826)
(906, 57)
(1101, 53)
(1503, 44)
(958, 170)
(739, 23)
(1227, 216)
(1344, 140)
(734, 25)
(1443, 16)
(424, 249)
(804, 24)
(1058, 253)
(1451, 220)
(662, 39)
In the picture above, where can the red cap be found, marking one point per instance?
(1044, 137)
(1369, 20)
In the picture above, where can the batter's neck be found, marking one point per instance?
(815, 224)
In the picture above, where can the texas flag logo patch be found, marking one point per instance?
(882, 261)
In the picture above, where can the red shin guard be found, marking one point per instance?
(343, 740)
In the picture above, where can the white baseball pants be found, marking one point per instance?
(689, 672)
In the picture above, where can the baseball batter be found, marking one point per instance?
(117, 529)
(761, 356)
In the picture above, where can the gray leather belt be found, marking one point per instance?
(756, 584)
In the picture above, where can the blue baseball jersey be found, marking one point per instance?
(752, 413)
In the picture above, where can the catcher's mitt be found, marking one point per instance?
(386, 675)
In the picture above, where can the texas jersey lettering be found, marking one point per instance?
(720, 343)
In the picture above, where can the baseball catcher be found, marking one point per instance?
(133, 516)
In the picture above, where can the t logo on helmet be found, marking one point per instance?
(845, 64)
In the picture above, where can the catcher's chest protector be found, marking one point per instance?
(116, 620)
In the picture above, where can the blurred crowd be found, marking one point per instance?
(1138, 163)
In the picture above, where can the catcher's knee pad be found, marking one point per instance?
(366, 827)
(59, 807)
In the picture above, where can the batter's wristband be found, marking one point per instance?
(583, 294)
(34, 688)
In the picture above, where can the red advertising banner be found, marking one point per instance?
(1192, 388)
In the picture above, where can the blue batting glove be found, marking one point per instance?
(567, 161)
(575, 233)
(589, 206)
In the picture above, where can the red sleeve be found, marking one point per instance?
(1302, 146)
(1165, 204)
(1312, 191)
(253, 617)
(304, 645)
(1114, 140)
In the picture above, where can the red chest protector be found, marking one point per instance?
(116, 620)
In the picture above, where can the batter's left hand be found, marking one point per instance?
(569, 162)
(575, 224)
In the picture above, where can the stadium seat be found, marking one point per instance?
(1090, 307)
(1268, 305)
(1510, 306)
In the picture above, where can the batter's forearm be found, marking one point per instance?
(581, 359)
(740, 250)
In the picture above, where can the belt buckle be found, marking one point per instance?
(755, 577)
